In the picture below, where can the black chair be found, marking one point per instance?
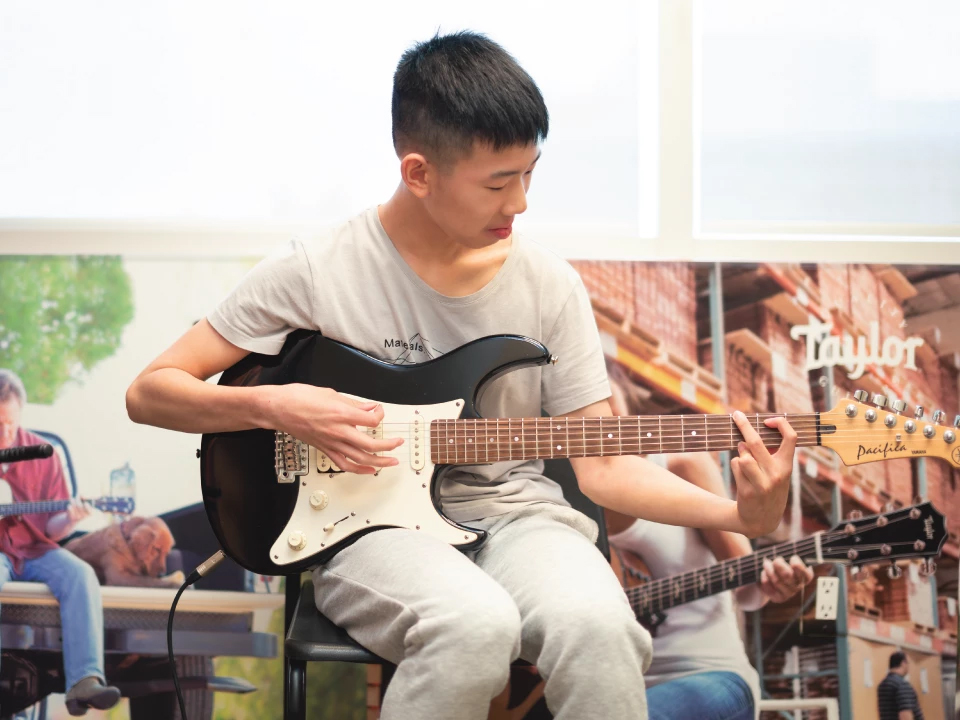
(311, 637)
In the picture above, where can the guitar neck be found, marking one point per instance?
(456, 442)
(29, 508)
(660, 595)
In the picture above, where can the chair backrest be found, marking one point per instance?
(561, 472)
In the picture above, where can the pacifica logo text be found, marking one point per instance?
(881, 450)
(826, 350)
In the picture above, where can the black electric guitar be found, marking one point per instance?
(279, 506)
(911, 532)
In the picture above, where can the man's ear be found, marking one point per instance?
(417, 173)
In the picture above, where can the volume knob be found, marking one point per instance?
(318, 500)
(297, 540)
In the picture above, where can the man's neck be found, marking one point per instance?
(449, 267)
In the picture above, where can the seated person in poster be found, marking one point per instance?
(700, 669)
(29, 552)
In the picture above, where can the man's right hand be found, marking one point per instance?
(328, 420)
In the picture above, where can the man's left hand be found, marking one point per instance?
(77, 511)
(780, 581)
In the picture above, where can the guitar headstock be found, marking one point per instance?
(861, 433)
(114, 505)
(918, 531)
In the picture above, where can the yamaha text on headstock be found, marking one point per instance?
(279, 506)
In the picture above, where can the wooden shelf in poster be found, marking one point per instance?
(752, 345)
(907, 636)
(898, 285)
(786, 306)
(681, 381)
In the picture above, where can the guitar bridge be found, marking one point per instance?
(291, 457)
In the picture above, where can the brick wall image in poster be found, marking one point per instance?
(660, 338)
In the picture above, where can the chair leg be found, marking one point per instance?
(386, 675)
(295, 689)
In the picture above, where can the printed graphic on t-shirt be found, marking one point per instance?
(412, 352)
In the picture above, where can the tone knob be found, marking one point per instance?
(860, 396)
(898, 406)
(297, 540)
(918, 413)
(880, 401)
(318, 500)
(938, 416)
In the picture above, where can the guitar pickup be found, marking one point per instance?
(419, 450)
(291, 457)
(326, 465)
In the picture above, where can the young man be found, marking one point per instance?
(700, 669)
(895, 696)
(29, 551)
(439, 262)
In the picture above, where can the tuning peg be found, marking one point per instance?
(918, 413)
(894, 572)
(880, 401)
(860, 396)
(898, 406)
(956, 421)
(855, 515)
(928, 567)
(938, 416)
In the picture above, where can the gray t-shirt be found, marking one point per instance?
(352, 285)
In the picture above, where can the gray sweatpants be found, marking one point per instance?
(538, 589)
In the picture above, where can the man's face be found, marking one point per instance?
(476, 200)
(9, 421)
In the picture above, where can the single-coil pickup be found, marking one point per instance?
(418, 451)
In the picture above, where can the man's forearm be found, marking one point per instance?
(175, 400)
(639, 488)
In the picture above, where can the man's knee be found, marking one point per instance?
(485, 626)
(607, 624)
(74, 574)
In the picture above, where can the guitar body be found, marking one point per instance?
(6, 495)
(279, 507)
(632, 572)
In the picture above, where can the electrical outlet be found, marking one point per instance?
(828, 590)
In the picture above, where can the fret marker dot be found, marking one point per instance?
(516, 439)
(649, 434)
(451, 440)
(693, 432)
(471, 439)
(491, 439)
(559, 447)
(609, 435)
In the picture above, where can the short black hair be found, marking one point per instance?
(454, 90)
(897, 659)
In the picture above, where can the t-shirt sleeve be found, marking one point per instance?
(273, 299)
(580, 376)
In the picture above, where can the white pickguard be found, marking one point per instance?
(398, 496)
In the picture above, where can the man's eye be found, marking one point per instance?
(496, 188)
